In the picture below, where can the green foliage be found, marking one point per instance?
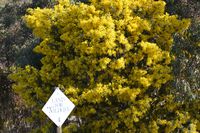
(16, 45)
(16, 37)
(186, 66)
(112, 58)
(16, 40)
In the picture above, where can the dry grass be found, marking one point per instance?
(3, 2)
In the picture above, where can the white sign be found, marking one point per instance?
(58, 107)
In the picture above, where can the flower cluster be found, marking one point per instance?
(112, 58)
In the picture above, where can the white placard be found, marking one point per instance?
(58, 107)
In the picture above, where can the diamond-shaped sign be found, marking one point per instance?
(58, 107)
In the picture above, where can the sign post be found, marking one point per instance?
(59, 129)
(58, 108)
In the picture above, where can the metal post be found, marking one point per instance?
(59, 129)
